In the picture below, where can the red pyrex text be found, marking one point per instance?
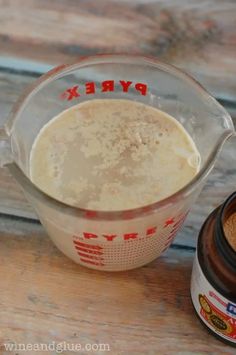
(174, 223)
(105, 86)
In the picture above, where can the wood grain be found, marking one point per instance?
(220, 184)
(197, 36)
(45, 297)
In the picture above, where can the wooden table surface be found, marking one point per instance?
(45, 297)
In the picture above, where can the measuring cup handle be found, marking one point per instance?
(5, 148)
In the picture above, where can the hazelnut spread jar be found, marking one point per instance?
(213, 283)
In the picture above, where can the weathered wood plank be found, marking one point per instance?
(12, 199)
(12, 86)
(197, 36)
(220, 184)
(45, 297)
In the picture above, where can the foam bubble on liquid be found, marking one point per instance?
(194, 160)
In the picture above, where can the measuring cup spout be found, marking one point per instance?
(227, 132)
(211, 130)
(226, 136)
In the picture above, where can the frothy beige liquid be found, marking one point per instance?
(112, 155)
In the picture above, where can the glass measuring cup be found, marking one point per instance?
(114, 240)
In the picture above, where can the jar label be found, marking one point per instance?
(216, 311)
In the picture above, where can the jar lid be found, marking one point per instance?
(224, 245)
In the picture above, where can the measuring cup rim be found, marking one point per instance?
(116, 214)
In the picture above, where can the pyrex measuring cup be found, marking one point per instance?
(114, 240)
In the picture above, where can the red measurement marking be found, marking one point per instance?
(128, 236)
(169, 222)
(151, 231)
(109, 237)
(98, 258)
(90, 235)
(90, 251)
(76, 242)
(91, 262)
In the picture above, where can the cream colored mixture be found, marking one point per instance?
(230, 230)
(113, 155)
